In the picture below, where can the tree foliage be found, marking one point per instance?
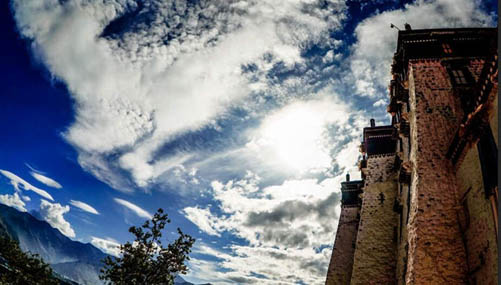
(146, 260)
(18, 267)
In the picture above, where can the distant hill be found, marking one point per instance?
(74, 260)
(79, 262)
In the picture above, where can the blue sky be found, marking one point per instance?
(239, 118)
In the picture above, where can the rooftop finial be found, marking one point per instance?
(393, 26)
(407, 27)
(347, 177)
(373, 123)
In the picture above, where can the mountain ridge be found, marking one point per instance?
(74, 260)
(56, 249)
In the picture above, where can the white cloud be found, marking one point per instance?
(134, 208)
(136, 91)
(203, 219)
(46, 180)
(20, 183)
(279, 266)
(283, 225)
(13, 201)
(107, 245)
(53, 213)
(376, 42)
(347, 158)
(380, 102)
(84, 206)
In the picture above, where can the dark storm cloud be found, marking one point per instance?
(275, 225)
(289, 211)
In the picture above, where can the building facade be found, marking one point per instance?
(427, 208)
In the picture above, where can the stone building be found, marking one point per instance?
(425, 211)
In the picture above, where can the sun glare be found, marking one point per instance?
(296, 137)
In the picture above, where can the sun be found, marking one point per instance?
(295, 138)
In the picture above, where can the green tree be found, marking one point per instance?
(18, 267)
(146, 260)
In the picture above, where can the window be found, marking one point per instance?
(447, 48)
(459, 77)
(463, 83)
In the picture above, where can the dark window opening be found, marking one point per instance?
(459, 77)
(447, 48)
(488, 153)
(463, 82)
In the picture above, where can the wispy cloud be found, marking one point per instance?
(134, 208)
(107, 245)
(203, 219)
(20, 183)
(13, 201)
(46, 180)
(84, 206)
(53, 213)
